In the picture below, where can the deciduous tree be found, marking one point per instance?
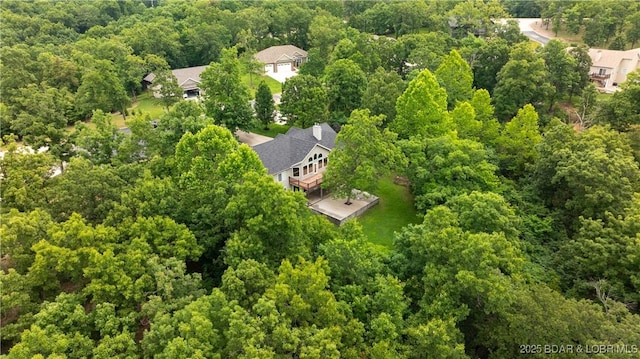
(422, 109)
(304, 101)
(226, 98)
(455, 76)
(361, 156)
(345, 83)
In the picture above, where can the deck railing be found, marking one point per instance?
(309, 183)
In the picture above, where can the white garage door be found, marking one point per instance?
(284, 67)
(268, 68)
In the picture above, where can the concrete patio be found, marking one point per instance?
(337, 211)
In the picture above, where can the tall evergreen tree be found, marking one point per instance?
(264, 106)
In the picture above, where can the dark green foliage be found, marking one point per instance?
(304, 101)
(345, 83)
(264, 106)
(226, 98)
(383, 90)
(169, 239)
(456, 166)
(586, 174)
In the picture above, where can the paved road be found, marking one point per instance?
(527, 26)
(536, 37)
(251, 138)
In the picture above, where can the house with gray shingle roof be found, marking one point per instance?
(281, 58)
(188, 78)
(297, 160)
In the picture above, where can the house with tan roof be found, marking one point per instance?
(610, 67)
(284, 58)
(188, 78)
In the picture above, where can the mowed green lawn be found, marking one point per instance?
(273, 131)
(394, 211)
(274, 85)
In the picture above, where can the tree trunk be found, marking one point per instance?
(348, 202)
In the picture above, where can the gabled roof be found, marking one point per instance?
(291, 148)
(182, 75)
(283, 53)
(612, 58)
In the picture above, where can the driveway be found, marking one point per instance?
(281, 76)
(527, 28)
(252, 139)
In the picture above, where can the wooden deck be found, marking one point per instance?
(308, 183)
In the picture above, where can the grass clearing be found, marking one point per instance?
(274, 85)
(394, 211)
(273, 131)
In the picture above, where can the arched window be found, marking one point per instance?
(320, 155)
(310, 159)
(315, 156)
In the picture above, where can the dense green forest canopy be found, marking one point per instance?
(170, 239)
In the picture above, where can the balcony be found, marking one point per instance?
(308, 183)
(598, 76)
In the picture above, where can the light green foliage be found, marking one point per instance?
(464, 116)
(437, 337)
(226, 98)
(345, 83)
(296, 315)
(517, 143)
(19, 302)
(37, 342)
(486, 212)
(304, 101)
(100, 143)
(446, 166)
(25, 177)
(264, 106)
(522, 80)
(247, 282)
(363, 154)
(484, 112)
(383, 90)
(20, 231)
(455, 76)
(421, 110)
(352, 259)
